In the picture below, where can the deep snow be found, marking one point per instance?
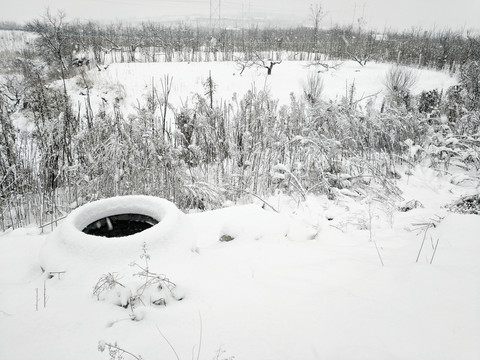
(293, 285)
(130, 84)
(306, 283)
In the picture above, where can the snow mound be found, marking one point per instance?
(68, 246)
(248, 222)
(245, 221)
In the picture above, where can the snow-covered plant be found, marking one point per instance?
(201, 195)
(371, 216)
(150, 280)
(399, 81)
(429, 102)
(221, 354)
(466, 205)
(151, 288)
(210, 88)
(106, 283)
(116, 352)
(470, 79)
(454, 143)
(424, 228)
(312, 90)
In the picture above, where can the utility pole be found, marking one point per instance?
(215, 12)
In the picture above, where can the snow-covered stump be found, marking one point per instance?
(155, 222)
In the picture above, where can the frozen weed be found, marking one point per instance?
(116, 352)
(424, 228)
(154, 289)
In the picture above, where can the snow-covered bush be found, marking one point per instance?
(429, 102)
(399, 81)
(470, 80)
(466, 205)
(144, 288)
(312, 90)
(115, 352)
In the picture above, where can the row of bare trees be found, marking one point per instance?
(152, 42)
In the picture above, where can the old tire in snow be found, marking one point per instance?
(163, 228)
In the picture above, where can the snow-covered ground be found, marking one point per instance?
(131, 83)
(305, 283)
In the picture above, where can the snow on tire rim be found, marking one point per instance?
(68, 245)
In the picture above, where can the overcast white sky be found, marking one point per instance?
(379, 14)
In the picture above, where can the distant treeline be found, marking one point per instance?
(10, 25)
(152, 42)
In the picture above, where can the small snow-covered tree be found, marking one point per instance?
(317, 14)
(256, 60)
(54, 42)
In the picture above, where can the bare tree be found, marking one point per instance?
(54, 41)
(55, 44)
(324, 65)
(359, 47)
(317, 14)
(257, 61)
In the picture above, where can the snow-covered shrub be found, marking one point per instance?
(399, 81)
(200, 195)
(115, 351)
(8, 158)
(312, 90)
(84, 80)
(429, 102)
(466, 205)
(405, 206)
(144, 288)
(109, 288)
(116, 91)
(452, 143)
(335, 147)
(470, 80)
(453, 105)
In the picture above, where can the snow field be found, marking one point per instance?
(321, 294)
(131, 83)
(304, 283)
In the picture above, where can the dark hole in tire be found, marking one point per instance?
(120, 225)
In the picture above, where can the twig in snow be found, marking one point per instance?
(45, 294)
(434, 250)
(378, 252)
(259, 198)
(168, 342)
(200, 336)
(425, 227)
(421, 246)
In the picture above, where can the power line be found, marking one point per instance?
(215, 12)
